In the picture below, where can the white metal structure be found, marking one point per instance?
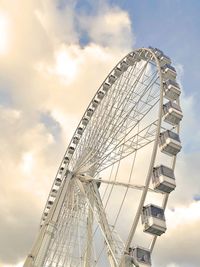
(104, 182)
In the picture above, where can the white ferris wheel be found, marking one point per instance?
(117, 169)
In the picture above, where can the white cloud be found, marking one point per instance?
(183, 215)
(110, 27)
(45, 71)
(4, 33)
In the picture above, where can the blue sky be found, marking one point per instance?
(173, 26)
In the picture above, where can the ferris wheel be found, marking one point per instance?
(117, 169)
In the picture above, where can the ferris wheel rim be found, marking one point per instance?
(155, 141)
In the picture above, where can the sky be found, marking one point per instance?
(53, 56)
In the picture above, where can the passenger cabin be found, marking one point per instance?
(163, 179)
(75, 140)
(95, 103)
(106, 86)
(90, 111)
(137, 56)
(66, 160)
(61, 170)
(124, 65)
(112, 79)
(117, 72)
(53, 193)
(171, 90)
(80, 130)
(58, 182)
(130, 59)
(158, 52)
(142, 256)
(172, 113)
(100, 95)
(169, 72)
(85, 121)
(145, 55)
(164, 60)
(50, 202)
(169, 143)
(153, 220)
(71, 150)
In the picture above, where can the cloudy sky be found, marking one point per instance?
(53, 56)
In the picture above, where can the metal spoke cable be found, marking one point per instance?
(99, 111)
(105, 109)
(54, 241)
(122, 200)
(97, 129)
(118, 126)
(102, 230)
(100, 163)
(129, 181)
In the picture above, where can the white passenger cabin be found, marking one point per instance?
(58, 182)
(171, 89)
(61, 170)
(163, 179)
(124, 65)
(164, 60)
(153, 220)
(145, 55)
(157, 51)
(118, 72)
(142, 256)
(95, 103)
(169, 143)
(172, 113)
(169, 72)
(80, 130)
(66, 160)
(75, 140)
(85, 121)
(100, 95)
(90, 111)
(106, 86)
(130, 59)
(71, 150)
(112, 79)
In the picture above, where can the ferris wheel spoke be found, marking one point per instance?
(102, 220)
(126, 185)
(127, 147)
(120, 110)
(109, 118)
(120, 127)
(102, 116)
(67, 236)
(104, 224)
(113, 98)
(90, 221)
